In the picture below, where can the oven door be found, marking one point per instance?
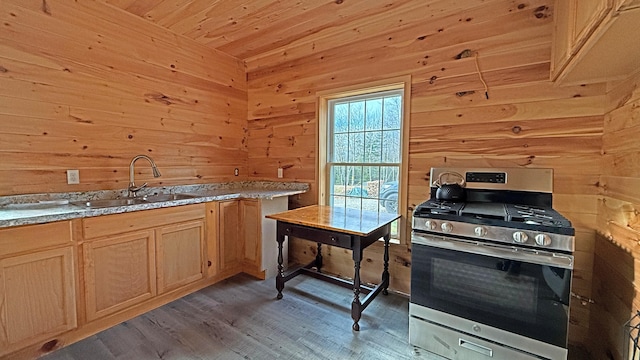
(518, 290)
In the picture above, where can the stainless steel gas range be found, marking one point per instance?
(491, 270)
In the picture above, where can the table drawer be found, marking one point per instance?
(322, 236)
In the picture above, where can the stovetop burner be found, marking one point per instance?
(441, 207)
(497, 214)
(535, 216)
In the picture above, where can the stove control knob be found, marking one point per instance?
(480, 231)
(446, 227)
(520, 237)
(430, 224)
(543, 240)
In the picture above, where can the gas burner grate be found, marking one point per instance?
(439, 207)
(536, 216)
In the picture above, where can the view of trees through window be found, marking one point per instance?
(364, 151)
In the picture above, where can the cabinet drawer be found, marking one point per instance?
(31, 237)
(120, 223)
(317, 235)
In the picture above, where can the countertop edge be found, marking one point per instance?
(11, 218)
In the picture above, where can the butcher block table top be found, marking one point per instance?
(350, 221)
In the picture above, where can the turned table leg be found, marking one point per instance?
(356, 305)
(319, 258)
(385, 272)
(280, 276)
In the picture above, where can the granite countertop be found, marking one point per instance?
(42, 208)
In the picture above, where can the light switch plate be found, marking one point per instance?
(73, 177)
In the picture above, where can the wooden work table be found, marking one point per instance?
(345, 228)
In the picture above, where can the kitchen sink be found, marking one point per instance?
(108, 202)
(166, 197)
(104, 203)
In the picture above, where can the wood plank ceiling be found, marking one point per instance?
(250, 29)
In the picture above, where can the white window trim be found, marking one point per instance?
(323, 98)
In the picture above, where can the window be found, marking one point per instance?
(362, 164)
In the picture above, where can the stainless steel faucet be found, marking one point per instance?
(133, 190)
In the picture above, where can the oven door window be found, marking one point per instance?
(527, 299)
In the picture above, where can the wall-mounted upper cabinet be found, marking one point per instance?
(622, 5)
(595, 41)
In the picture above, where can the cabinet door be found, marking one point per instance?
(586, 16)
(212, 220)
(180, 254)
(574, 22)
(250, 232)
(561, 48)
(623, 5)
(230, 240)
(119, 272)
(37, 297)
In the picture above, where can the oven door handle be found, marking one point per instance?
(540, 257)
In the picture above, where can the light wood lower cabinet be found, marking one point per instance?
(247, 239)
(37, 289)
(180, 255)
(230, 254)
(250, 232)
(124, 268)
(119, 272)
(60, 283)
(212, 241)
(239, 237)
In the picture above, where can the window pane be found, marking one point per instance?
(374, 114)
(389, 188)
(356, 116)
(341, 118)
(389, 173)
(338, 180)
(338, 201)
(354, 176)
(392, 112)
(340, 148)
(371, 179)
(356, 147)
(353, 203)
(391, 146)
(370, 205)
(373, 147)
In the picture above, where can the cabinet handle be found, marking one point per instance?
(209, 263)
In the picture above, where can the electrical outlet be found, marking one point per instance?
(73, 176)
(280, 173)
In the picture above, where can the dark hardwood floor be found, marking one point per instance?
(240, 318)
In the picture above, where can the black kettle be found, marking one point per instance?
(450, 191)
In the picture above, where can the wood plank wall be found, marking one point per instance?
(84, 85)
(526, 122)
(617, 249)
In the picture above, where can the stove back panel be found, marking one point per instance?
(505, 196)
(501, 185)
(516, 179)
